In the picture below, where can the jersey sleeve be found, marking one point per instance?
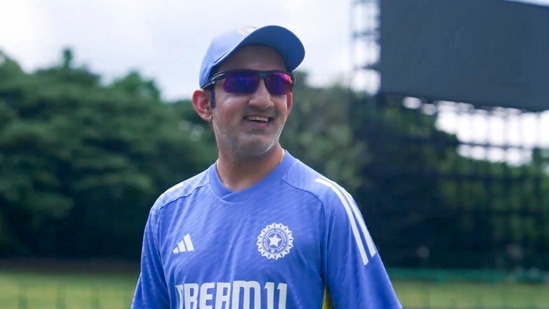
(151, 290)
(354, 273)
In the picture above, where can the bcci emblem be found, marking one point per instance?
(245, 30)
(275, 241)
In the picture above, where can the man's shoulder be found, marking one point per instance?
(182, 189)
(303, 177)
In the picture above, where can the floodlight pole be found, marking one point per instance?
(365, 48)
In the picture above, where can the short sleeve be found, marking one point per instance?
(151, 290)
(355, 276)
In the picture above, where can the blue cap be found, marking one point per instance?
(224, 45)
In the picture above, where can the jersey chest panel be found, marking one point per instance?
(276, 243)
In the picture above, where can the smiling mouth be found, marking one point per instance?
(261, 119)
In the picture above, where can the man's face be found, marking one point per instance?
(248, 125)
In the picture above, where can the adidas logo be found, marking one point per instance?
(185, 245)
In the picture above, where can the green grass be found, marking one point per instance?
(466, 295)
(23, 290)
(41, 289)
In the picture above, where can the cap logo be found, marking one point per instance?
(246, 30)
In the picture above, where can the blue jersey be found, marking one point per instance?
(293, 240)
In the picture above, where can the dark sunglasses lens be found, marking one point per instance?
(241, 82)
(279, 83)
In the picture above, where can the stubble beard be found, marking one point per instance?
(244, 148)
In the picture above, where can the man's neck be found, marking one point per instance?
(240, 174)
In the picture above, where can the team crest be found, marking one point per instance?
(275, 241)
(245, 30)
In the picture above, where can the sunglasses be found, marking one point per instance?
(247, 81)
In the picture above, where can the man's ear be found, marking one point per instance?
(201, 104)
(289, 102)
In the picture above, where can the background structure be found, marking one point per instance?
(475, 66)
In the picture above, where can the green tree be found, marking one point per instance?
(83, 162)
(319, 133)
(427, 205)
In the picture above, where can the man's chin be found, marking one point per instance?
(257, 148)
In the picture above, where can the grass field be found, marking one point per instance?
(65, 291)
(78, 289)
(453, 295)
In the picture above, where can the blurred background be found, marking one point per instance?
(432, 113)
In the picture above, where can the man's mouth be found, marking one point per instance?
(256, 118)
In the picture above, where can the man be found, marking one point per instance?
(258, 228)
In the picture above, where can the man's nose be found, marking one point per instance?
(261, 98)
